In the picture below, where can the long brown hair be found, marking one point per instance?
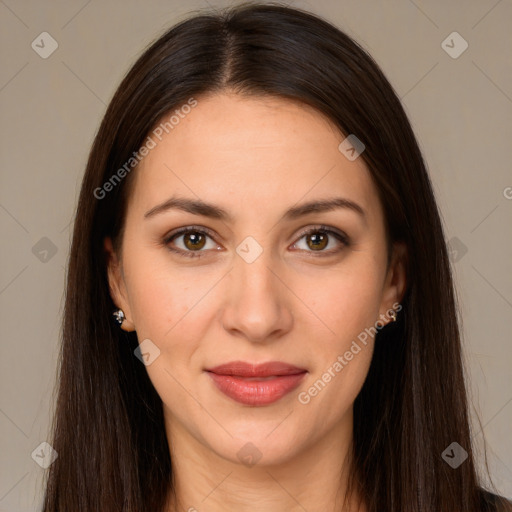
(108, 427)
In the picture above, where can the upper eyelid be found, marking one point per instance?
(184, 230)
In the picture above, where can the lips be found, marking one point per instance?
(256, 384)
(243, 369)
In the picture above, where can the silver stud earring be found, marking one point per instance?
(119, 316)
(393, 316)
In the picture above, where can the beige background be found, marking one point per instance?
(461, 110)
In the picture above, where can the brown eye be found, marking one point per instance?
(317, 241)
(318, 238)
(192, 244)
(194, 240)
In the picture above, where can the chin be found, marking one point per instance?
(255, 445)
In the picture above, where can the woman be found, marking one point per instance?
(257, 216)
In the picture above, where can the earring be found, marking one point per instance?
(119, 316)
(393, 315)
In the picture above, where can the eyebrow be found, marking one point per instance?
(199, 207)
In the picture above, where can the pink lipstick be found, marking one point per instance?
(256, 384)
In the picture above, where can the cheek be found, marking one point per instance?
(348, 304)
(167, 307)
(345, 302)
(162, 300)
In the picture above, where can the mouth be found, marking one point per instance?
(256, 384)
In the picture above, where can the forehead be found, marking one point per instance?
(252, 153)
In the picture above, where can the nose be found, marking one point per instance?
(258, 303)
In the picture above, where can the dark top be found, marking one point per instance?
(493, 503)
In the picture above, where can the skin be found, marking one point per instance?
(255, 157)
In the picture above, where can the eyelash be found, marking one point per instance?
(341, 237)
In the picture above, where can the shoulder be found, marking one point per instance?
(490, 502)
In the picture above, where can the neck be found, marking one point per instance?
(316, 478)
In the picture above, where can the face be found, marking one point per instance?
(268, 282)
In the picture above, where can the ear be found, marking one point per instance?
(117, 284)
(395, 282)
